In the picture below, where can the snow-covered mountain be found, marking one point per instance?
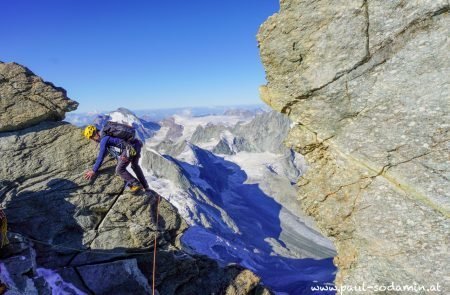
(156, 115)
(144, 129)
(82, 119)
(233, 180)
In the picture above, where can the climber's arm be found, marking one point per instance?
(101, 154)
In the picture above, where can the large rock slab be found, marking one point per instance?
(373, 123)
(295, 46)
(42, 174)
(120, 277)
(25, 99)
(131, 223)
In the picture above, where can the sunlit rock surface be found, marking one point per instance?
(366, 84)
(25, 99)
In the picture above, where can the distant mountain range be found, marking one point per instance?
(85, 118)
(233, 180)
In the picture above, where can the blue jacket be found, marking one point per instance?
(109, 141)
(106, 142)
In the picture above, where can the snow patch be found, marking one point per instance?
(158, 137)
(128, 119)
(191, 123)
(255, 165)
(188, 155)
(5, 277)
(57, 284)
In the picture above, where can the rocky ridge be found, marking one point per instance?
(366, 84)
(250, 136)
(28, 100)
(80, 237)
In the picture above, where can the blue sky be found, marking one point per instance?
(140, 54)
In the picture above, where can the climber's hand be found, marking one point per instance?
(89, 174)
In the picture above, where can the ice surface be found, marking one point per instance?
(57, 284)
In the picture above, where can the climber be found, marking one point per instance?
(130, 152)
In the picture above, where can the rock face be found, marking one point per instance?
(247, 136)
(25, 99)
(366, 84)
(78, 237)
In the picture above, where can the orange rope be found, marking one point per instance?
(154, 248)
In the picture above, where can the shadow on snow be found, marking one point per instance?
(256, 216)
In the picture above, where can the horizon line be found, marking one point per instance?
(169, 108)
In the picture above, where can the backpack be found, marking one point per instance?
(122, 131)
(125, 132)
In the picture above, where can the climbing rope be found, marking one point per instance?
(100, 252)
(3, 229)
(61, 247)
(154, 247)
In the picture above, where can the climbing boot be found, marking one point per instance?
(135, 188)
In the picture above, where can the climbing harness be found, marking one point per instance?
(130, 150)
(3, 229)
(125, 149)
(114, 152)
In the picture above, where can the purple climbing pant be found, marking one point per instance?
(123, 163)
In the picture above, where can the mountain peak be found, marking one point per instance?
(27, 100)
(125, 111)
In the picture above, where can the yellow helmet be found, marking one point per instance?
(89, 131)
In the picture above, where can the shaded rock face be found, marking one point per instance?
(204, 133)
(247, 136)
(84, 237)
(175, 130)
(367, 85)
(118, 274)
(25, 99)
(253, 137)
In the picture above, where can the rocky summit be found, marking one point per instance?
(27, 100)
(71, 236)
(366, 84)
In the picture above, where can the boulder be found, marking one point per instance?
(119, 277)
(25, 99)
